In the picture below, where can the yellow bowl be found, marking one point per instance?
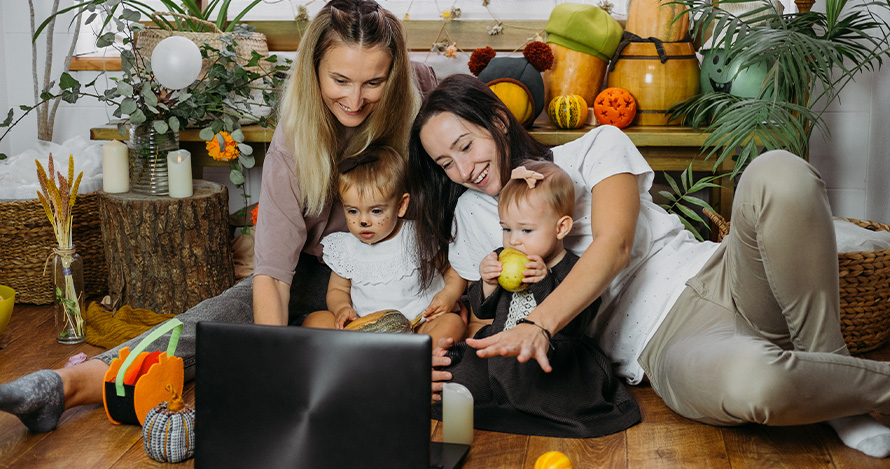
(8, 299)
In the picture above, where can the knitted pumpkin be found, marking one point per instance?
(169, 430)
(615, 106)
(568, 112)
(553, 460)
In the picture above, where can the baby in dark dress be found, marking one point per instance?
(580, 398)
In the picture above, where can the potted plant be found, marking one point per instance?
(230, 89)
(807, 58)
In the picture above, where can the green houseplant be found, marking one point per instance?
(229, 91)
(809, 58)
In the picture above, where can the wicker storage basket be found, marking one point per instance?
(864, 290)
(27, 239)
(149, 38)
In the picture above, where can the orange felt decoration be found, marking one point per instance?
(615, 106)
(134, 384)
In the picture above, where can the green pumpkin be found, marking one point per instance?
(717, 75)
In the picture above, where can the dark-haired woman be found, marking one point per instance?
(352, 84)
(744, 331)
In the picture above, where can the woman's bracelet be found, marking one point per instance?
(545, 331)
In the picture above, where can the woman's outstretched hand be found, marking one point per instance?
(439, 359)
(524, 342)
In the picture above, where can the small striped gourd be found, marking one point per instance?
(568, 111)
(168, 433)
(553, 460)
(388, 320)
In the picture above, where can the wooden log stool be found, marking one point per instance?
(167, 254)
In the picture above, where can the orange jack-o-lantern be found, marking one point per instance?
(615, 106)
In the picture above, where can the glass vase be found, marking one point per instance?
(148, 159)
(68, 286)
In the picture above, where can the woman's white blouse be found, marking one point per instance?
(664, 254)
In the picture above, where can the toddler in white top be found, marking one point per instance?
(375, 266)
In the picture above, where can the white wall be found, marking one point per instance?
(854, 162)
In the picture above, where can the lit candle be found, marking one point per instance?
(115, 168)
(179, 168)
(457, 414)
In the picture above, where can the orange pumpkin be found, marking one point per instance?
(615, 106)
(568, 111)
(553, 460)
(658, 19)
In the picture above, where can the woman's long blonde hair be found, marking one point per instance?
(312, 130)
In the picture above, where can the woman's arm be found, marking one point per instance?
(615, 207)
(270, 299)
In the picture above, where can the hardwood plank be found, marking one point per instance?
(607, 452)
(758, 446)
(492, 450)
(659, 445)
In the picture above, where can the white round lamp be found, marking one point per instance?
(176, 62)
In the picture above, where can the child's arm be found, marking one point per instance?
(339, 301)
(444, 301)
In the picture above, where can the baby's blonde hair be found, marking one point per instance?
(379, 168)
(556, 189)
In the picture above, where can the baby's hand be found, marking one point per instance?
(490, 269)
(345, 315)
(438, 306)
(535, 270)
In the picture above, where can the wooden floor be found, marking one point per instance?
(86, 439)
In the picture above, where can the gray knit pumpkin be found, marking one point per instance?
(169, 435)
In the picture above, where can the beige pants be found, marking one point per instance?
(755, 337)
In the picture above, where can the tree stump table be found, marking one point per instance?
(164, 254)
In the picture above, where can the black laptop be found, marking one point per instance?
(268, 396)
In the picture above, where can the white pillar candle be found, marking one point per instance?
(179, 168)
(115, 168)
(457, 414)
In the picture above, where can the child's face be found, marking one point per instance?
(532, 227)
(371, 217)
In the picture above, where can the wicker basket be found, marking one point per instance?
(26, 242)
(149, 38)
(864, 290)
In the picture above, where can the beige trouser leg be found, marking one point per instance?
(756, 335)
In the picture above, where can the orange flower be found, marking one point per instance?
(222, 147)
(255, 213)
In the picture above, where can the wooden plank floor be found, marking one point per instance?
(85, 437)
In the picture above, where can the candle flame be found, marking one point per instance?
(179, 159)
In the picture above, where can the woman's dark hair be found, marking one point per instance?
(433, 195)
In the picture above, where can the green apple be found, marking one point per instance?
(511, 274)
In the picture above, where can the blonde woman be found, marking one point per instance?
(352, 84)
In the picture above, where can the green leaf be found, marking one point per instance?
(6, 122)
(245, 149)
(127, 106)
(130, 15)
(150, 98)
(2, 156)
(174, 124)
(206, 134)
(124, 88)
(246, 161)
(67, 81)
(160, 127)
(237, 135)
(105, 40)
(237, 177)
(137, 117)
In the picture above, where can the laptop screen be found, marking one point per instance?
(268, 396)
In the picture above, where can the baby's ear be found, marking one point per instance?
(563, 226)
(403, 204)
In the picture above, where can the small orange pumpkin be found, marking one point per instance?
(615, 106)
(568, 111)
(553, 460)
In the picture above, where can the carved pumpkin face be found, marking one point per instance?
(720, 75)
